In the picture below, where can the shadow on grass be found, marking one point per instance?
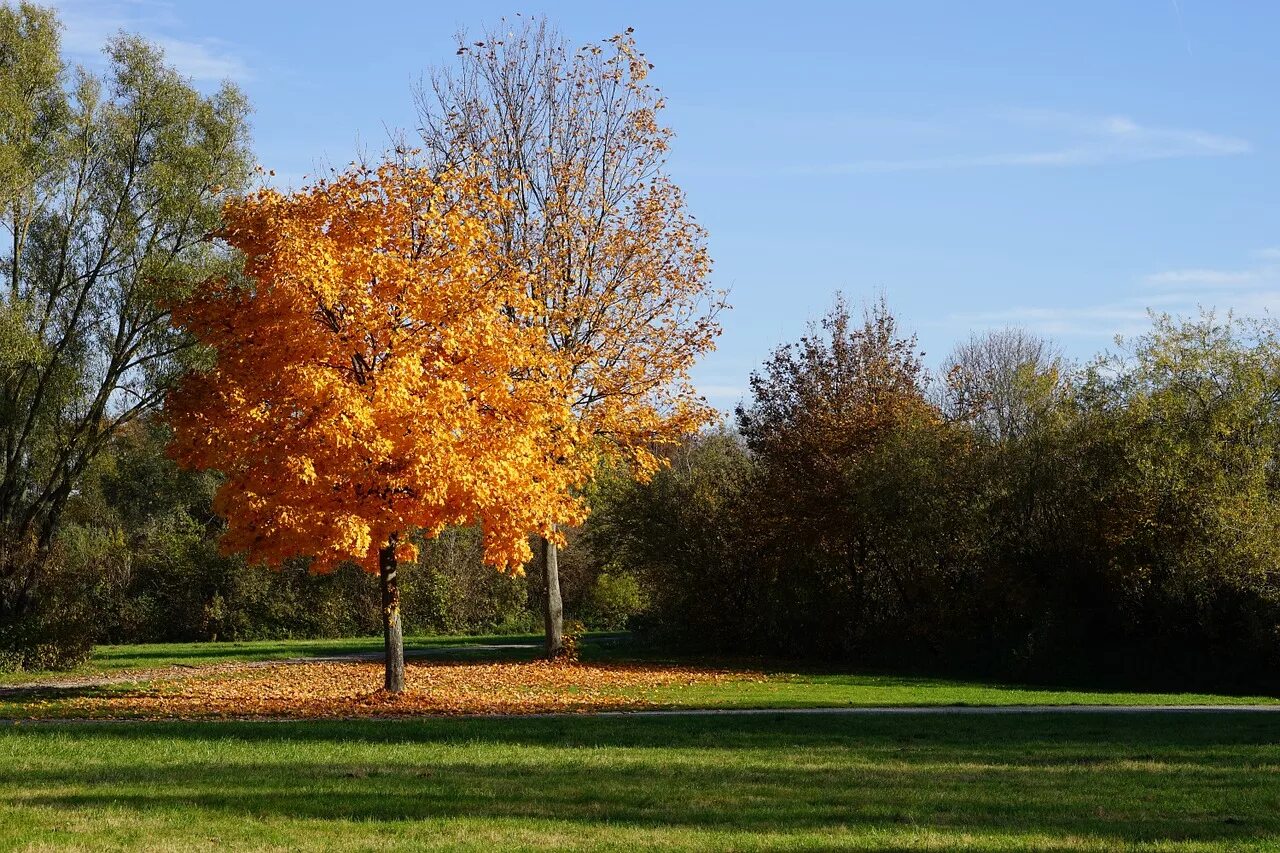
(596, 647)
(47, 693)
(265, 650)
(287, 648)
(1117, 779)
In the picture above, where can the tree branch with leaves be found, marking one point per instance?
(618, 274)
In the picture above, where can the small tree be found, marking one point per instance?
(850, 492)
(835, 394)
(1002, 381)
(618, 271)
(369, 380)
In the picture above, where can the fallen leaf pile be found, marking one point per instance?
(351, 689)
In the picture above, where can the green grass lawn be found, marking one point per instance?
(808, 690)
(1053, 782)
(780, 686)
(110, 659)
(1192, 781)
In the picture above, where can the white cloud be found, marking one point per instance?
(1209, 277)
(1266, 273)
(88, 26)
(1250, 291)
(1075, 140)
(205, 60)
(1104, 321)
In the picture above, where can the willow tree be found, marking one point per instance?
(369, 381)
(618, 271)
(108, 186)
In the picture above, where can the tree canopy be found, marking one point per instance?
(369, 377)
(109, 184)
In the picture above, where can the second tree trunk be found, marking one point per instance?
(392, 633)
(553, 607)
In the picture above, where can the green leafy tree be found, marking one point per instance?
(1191, 509)
(108, 186)
(682, 536)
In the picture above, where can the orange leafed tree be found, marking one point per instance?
(371, 377)
(618, 271)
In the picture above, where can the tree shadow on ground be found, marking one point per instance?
(1206, 778)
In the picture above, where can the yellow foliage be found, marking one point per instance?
(371, 376)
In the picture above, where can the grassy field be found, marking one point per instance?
(1187, 781)
(1053, 782)
(773, 686)
(809, 690)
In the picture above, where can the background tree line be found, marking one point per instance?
(137, 560)
(1013, 515)
(1016, 515)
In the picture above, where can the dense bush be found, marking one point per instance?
(57, 633)
(137, 560)
(1117, 521)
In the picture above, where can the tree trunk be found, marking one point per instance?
(392, 633)
(553, 607)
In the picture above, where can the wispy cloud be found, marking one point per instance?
(1249, 290)
(88, 26)
(204, 60)
(1206, 277)
(1104, 321)
(1182, 27)
(1053, 140)
(1262, 274)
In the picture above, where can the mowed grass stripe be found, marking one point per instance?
(1185, 782)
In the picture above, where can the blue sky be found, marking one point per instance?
(1061, 166)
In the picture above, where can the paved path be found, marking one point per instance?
(916, 710)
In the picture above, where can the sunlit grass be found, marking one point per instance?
(1186, 782)
(762, 685)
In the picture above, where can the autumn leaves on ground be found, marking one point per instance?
(485, 676)
(348, 689)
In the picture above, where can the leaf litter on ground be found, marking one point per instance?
(306, 690)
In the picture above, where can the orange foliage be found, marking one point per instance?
(370, 377)
(308, 690)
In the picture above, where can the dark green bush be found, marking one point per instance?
(1116, 523)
